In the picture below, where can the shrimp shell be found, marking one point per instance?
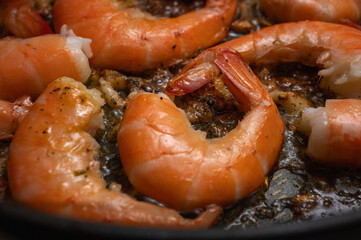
(335, 132)
(20, 18)
(132, 41)
(52, 164)
(319, 10)
(29, 65)
(334, 48)
(165, 158)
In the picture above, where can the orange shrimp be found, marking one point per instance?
(20, 18)
(335, 136)
(320, 10)
(11, 114)
(52, 164)
(132, 41)
(334, 48)
(166, 159)
(27, 66)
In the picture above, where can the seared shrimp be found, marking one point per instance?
(20, 18)
(165, 158)
(133, 41)
(52, 164)
(320, 10)
(11, 114)
(27, 66)
(334, 48)
(335, 136)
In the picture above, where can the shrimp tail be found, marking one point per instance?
(234, 69)
(23, 21)
(204, 69)
(195, 75)
(352, 24)
(207, 218)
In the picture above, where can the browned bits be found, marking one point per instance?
(242, 26)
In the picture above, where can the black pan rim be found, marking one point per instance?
(331, 227)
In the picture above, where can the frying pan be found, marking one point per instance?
(17, 221)
(20, 222)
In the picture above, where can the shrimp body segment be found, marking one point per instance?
(133, 41)
(334, 48)
(165, 158)
(27, 66)
(52, 164)
(335, 132)
(20, 18)
(319, 10)
(11, 114)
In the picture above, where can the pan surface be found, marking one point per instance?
(302, 199)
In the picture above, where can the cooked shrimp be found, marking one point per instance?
(20, 18)
(133, 41)
(335, 132)
(334, 48)
(166, 159)
(11, 114)
(320, 10)
(52, 164)
(27, 66)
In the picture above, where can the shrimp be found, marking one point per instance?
(166, 159)
(20, 18)
(320, 10)
(52, 164)
(27, 66)
(334, 48)
(335, 136)
(132, 41)
(11, 114)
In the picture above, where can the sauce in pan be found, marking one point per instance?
(297, 189)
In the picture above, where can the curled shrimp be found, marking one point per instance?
(334, 48)
(11, 114)
(335, 136)
(52, 164)
(320, 10)
(165, 158)
(20, 18)
(133, 41)
(29, 65)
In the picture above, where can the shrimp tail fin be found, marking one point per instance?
(207, 218)
(24, 22)
(352, 24)
(235, 70)
(195, 75)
